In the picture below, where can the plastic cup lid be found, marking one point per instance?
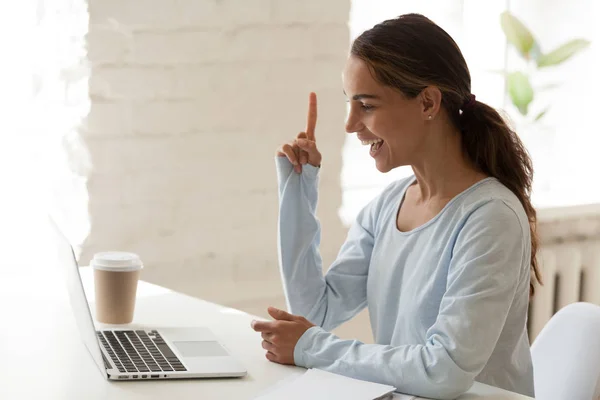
(116, 261)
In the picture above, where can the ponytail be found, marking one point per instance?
(497, 151)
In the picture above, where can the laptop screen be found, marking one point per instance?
(65, 258)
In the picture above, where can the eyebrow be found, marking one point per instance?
(361, 96)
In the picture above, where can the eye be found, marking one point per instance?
(367, 107)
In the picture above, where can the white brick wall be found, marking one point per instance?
(189, 101)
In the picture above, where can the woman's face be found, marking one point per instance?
(382, 115)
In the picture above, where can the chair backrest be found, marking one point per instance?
(566, 355)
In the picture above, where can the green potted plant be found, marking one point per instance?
(526, 84)
(518, 83)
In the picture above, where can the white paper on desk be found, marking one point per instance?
(316, 384)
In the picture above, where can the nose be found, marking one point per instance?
(353, 123)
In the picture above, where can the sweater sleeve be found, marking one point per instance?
(327, 300)
(489, 256)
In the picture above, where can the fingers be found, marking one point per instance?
(303, 155)
(268, 336)
(303, 159)
(268, 346)
(311, 119)
(280, 314)
(297, 151)
(288, 151)
(306, 145)
(296, 154)
(293, 153)
(264, 326)
(271, 357)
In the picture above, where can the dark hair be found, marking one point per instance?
(411, 52)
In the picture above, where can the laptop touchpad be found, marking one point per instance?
(200, 349)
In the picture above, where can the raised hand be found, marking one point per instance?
(303, 149)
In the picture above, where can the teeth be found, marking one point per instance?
(370, 142)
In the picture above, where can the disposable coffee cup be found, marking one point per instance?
(116, 276)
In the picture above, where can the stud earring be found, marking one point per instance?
(430, 117)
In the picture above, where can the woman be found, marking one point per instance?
(442, 259)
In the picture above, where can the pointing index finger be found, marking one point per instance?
(311, 120)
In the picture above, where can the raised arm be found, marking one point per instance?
(324, 300)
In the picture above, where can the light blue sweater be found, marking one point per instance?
(447, 301)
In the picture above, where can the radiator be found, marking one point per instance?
(571, 273)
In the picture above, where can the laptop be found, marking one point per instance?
(143, 354)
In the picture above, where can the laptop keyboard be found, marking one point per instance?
(139, 351)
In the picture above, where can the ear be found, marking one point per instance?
(431, 101)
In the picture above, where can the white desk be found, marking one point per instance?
(59, 367)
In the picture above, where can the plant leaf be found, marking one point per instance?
(562, 53)
(520, 91)
(517, 34)
(541, 114)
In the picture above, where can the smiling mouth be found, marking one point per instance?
(374, 143)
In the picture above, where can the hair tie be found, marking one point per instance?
(470, 102)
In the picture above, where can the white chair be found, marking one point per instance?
(566, 355)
